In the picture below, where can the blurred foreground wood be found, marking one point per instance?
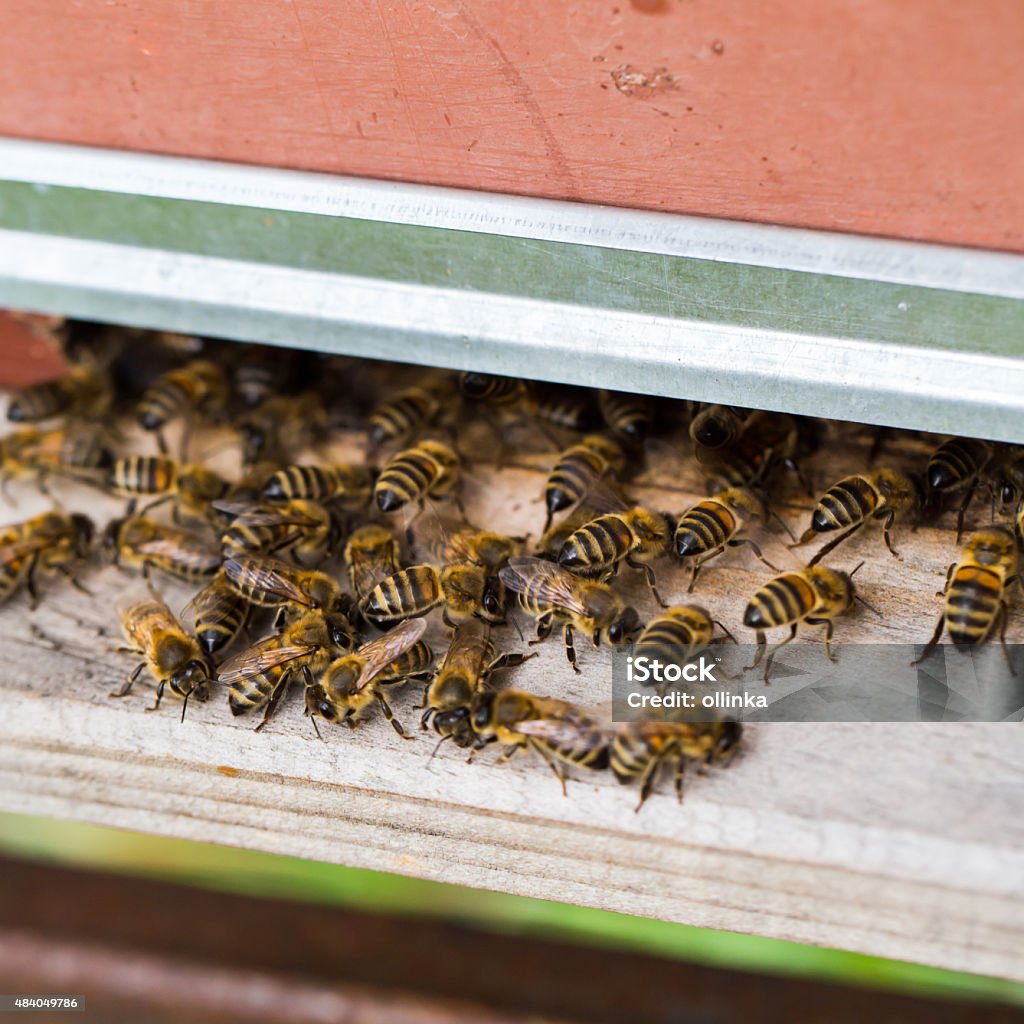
(142, 950)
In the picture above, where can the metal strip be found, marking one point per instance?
(818, 252)
(940, 390)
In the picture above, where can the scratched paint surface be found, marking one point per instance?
(898, 119)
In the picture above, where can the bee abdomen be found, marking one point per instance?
(571, 478)
(598, 544)
(667, 641)
(956, 462)
(627, 415)
(972, 604)
(400, 416)
(846, 503)
(405, 479)
(162, 402)
(703, 528)
(781, 601)
(405, 595)
(485, 387)
(142, 474)
(628, 756)
(249, 693)
(299, 482)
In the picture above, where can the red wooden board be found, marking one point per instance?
(894, 117)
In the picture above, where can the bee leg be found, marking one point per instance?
(962, 511)
(833, 544)
(544, 626)
(552, 764)
(275, 699)
(722, 627)
(757, 551)
(650, 577)
(647, 780)
(74, 580)
(390, 716)
(507, 754)
(939, 626)
(507, 661)
(762, 646)
(829, 630)
(570, 650)
(155, 706)
(127, 686)
(1002, 637)
(886, 533)
(778, 647)
(161, 441)
(949, 577)
(30, 585)
(680, 778)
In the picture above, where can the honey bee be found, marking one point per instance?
(259, 676)
(880, 494)
(813, 596)
(73, 451)
(1008, 479)
(429, 470)
(371, 555)
(52, 543)
(261, 372)
(271, 583)
(466, 671)
(768, 439)
(551, 593)
(562, 733)
(639, 749)
(554, 537)
(717, 425)
(137, 542)
(488, 387)
(975, 591)
(956, 465)
(346, 484)
(172, 657)
(198, 387)
(636, 536)
(410, 593)
(628, 416)
(402, 415)
(578, 471)
(563, 406)
(193, 489)
(280, 426)
(218, 613)
(706, 529)
(303, 529)
(352, 682)
(83, 392)
(677, 636)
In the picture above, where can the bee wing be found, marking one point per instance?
(17, 549)
(171, 547)
(469, 644)
(257, 660)
(379, 653)
(257, 515)
(605, 497)
(550, 583)
(264, 574)
(555, 731)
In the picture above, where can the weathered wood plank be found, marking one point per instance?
(900, 840)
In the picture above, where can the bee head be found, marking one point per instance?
(318, 704)
(84, 530)
(192, 681)
(493, 600)
(112, 538)
(624, 626)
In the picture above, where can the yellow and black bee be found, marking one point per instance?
(83, 393)
(639, 749)
(218, 613)
(628, 416)
(52, 543)
(305, 530)
(578, 471)
(429, 470)
(371, 555)
(717, 425)
(346, 484)
(137, 542)
(562, 733)
(272, 583)
(975, 591)
(197, 388)
(463, 590)
(958, 465)
(884, 494)
(552, 594)
(192, 488)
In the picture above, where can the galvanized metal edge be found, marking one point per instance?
(940, 390)
(818, 252)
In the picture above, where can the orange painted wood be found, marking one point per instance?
(29, 353)
(892, 117)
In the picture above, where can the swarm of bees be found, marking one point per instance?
(340, 576)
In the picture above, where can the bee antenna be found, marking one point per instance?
(185, 705)
(316, 728)
(722, 627)
(438, 747)
(860, 565)
(868, 605)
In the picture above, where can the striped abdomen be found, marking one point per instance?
(716, 425)
(309, 483)
(405, 595)
(584, 743)
(219, 612)
(142, 474)
(254, 691)
(573, 477)
(846, 503)
(635, 746)
(40, 402)
(568, 410)
(401, 416)
(414, 662)
(972, 603)
(406, 478)
(484, 387)
(629, 416)
(673, 641)
(165, 400)
(781, 601)
(707, 526)
(185, 562)
(956, 463)
(598, 545)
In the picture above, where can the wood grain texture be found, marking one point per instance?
(905, 841)
(901, 119)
